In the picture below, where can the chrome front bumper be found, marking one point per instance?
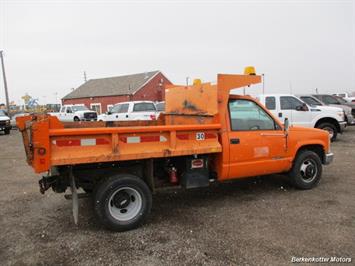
(350, 119)
(328, 158)
(342, 126)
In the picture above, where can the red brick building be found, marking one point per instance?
(100, 94)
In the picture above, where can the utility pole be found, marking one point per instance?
(263, 75)
(5, 83)
(85, 78)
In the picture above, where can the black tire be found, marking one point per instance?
(76, 119)
(111, 197)
(7, 131)
(306, 171)
(331, 128)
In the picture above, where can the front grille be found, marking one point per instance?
(2, 123)
(90, 116)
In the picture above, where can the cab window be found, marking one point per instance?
(270, 103)
(69, 110)
(246, 115)
(289, 103)
(144, 107)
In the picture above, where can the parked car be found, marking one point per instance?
(332, 100)
(13, 119)
(310, 100)
(131, 111)
(328, 118)
(346, 97)
(5, 124)
(70, 113)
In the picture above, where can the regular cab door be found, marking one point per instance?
(257, 143)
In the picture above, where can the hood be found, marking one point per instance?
(4, 118)
(327, 108)
(320, 135)
(346, 108)
(350, 104)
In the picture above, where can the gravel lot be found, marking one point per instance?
(259, 221)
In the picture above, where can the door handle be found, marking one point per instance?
(280, 114)
(234, 141)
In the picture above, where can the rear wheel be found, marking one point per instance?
(76, 119)
(122, 202)
(7, 131)
(306, 171)
(331, 128)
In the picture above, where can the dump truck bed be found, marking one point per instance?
(49, 143)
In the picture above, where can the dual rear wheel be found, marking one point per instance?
(122, 202)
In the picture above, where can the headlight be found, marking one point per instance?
(341, 115)
(7, 122)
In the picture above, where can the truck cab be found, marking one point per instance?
(301, 114)
(5, 124)
(131, 111)
(75, 113)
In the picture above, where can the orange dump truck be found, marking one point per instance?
(204, 135)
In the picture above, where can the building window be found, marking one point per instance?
(96, 107)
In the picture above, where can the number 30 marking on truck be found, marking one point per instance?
(200, 136)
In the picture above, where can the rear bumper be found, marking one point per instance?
(328, 158)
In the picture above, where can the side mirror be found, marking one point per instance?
(286, 125)
(302, 107)
(109, 113)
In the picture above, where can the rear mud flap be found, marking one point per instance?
(75, 201)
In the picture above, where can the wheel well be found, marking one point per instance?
(329, 120)
(318, 149)
(76, 117)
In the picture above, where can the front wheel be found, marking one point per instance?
(331, 128)
(76, 119)
(122, 202)
(306, 171)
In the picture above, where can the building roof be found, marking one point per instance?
(121, 85)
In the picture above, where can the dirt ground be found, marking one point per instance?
(260, 221)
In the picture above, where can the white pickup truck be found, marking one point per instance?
(131, 111)
(299, 113)
(70, 113)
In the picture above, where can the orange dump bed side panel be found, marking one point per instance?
(69, 146)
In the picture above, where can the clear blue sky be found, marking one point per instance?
(297, 44)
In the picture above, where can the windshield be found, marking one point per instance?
(310, 100)
(2, 113)
(79, 108)
(160, 106)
